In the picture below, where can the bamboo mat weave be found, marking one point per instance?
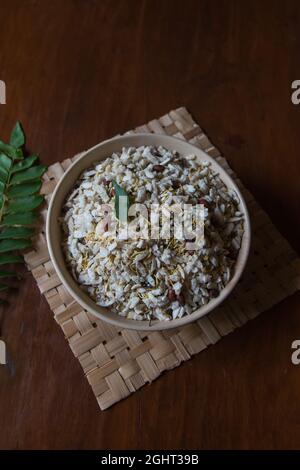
(118, 362)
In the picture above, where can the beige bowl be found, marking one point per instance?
(96, 154)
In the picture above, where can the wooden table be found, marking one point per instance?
(78, 72)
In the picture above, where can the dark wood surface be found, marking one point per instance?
(78, 72)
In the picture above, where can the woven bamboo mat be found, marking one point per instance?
(118, 362)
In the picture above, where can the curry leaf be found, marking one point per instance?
(30, 174)
(10, 151)
(20, 183)
(121, 202)
(8, 274)
(5, 162)
(3, 175)
(5, 165)
(11, 259)
(16, 232)
(25, 189)
(24, 164)
(4, 287)
(28, 218)
(12, 245)
(17, 138)
(24, 204)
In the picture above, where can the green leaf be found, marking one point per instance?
(24, 164)
(16, 232)
(17, 138)
(28, 175)
(11, 259)
(20, 219)
(7, 274)
(24, 189)
(4, 287)
(10, 151)
(5, 165)
(20, 181)
(5, 162)
(3, 176)
(11, 245)
(24, 204)
(121, 202)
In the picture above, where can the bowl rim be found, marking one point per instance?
(117, 320)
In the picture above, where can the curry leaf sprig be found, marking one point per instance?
(121, 202)
(20, 183)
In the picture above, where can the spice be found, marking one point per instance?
(203, 201)
(158, 168)
(171, 295)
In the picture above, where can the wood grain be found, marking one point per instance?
(80, 71)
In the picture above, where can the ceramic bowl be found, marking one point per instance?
(65, 185)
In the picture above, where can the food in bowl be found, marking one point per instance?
(151, 278)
